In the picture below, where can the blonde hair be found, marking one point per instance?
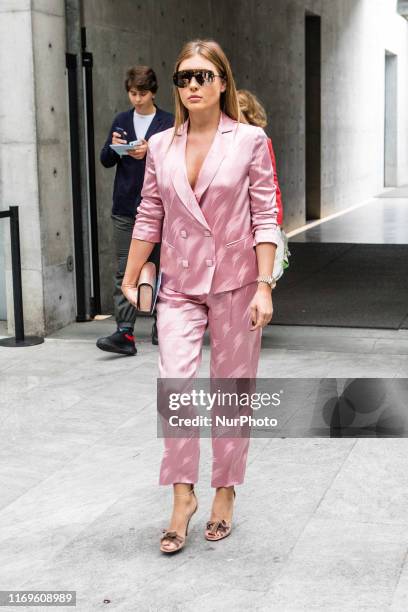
(251, 109)
(212, 51)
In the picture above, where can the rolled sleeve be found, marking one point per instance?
(262, 192)
(150, 213)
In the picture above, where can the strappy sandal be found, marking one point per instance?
(173, 536)
(218, 530)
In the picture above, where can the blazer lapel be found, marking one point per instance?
(179, 176)
(218, 150)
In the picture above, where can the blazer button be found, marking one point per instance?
(209, 262)
(207, 233)
(184, 263)
(183, 233)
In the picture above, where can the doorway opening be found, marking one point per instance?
(3, 306)
(390, 120)
(313, 116)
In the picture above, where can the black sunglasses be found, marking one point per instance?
(182, 78)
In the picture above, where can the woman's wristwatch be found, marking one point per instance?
(267, 279)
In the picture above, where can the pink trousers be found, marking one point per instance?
(181, 323)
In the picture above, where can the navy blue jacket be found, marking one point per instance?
(130, 172)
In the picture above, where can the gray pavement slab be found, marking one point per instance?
(320, 524)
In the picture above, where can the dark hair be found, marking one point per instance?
(141, 77)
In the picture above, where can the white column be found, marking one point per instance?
(34, 158)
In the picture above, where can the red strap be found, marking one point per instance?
(275, 176)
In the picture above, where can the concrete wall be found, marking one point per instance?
(53, 155)
(18, 152)
(265, 43)
(355, 35)
(34, 157)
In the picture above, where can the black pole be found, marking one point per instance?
(87, 62)
(20, 339)
(71, 64)
(16, 271)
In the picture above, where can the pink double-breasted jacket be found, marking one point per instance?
(208, 234)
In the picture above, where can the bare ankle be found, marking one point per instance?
(184, 495)
(226, 491)
(182, 488)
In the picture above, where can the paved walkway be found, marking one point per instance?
(379, 220)
(321, 524)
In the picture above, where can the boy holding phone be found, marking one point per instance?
(139, 123)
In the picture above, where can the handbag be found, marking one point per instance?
(146, 287)
(282, 255)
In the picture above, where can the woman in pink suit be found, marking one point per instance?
(210, 198)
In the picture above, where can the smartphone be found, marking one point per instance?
(122, 132)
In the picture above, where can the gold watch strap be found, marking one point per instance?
(267, 279)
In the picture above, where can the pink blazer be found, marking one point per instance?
(208, 235)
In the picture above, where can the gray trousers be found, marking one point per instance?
(125, 313)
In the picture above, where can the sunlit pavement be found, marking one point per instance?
(320, 524)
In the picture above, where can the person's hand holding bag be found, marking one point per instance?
(148, 224)
(139, 253)
(130, 292)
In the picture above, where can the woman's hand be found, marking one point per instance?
(130, 292)
(139, 253)
(140, 151)
(261, 307)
